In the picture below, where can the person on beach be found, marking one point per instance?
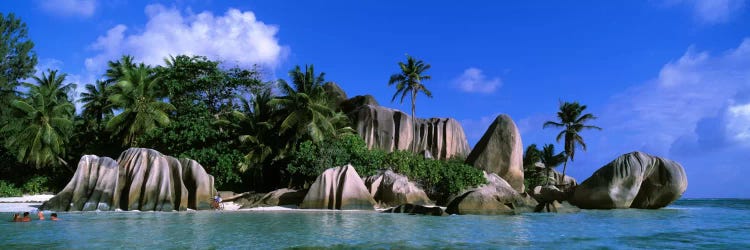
(217, 201)
(53, 216)
(26, 217)
(41, 215)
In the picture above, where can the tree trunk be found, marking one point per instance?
(565, 165)
(414, 122)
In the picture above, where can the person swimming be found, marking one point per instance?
(16, 217)
(41, 215)
(53, 216)
(26, 217)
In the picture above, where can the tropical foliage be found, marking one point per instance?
(43, 122)
(572, 120)
(139, 94)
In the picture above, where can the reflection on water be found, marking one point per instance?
(688, 224)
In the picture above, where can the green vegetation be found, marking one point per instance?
(572, 120)
(439, 178)
(42, 122)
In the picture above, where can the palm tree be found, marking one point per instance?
(409, 82)
(138, 94)
(572, 120)
(43, 121)
(117, 69)
(550, 159)
(96, 101)
(304, 107)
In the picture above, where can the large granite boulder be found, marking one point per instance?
(356, 102)
(416, 209)
(338, 188)
(280, 197)
(500, 151)
(141, 179)
(633, 180)
(497, 197)
(391, 130)
(334, 93)
(390, 189)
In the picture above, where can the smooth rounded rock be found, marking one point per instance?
(633, 180)
(500, 151)
(338, 188)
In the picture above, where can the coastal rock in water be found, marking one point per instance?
(280, 197)
(500, 151)
(633, 180)
(417, 209)
(392, 189)
(548, 193)
(92, 187)
(556, 207)
(498, 197)
(338, 188)
(390, 130)
(141, 179)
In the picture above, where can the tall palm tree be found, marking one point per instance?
(43, 121)
(116, 69)
(304, 107)
(96, 101)
(409, 82)
(138, 93)
(572, 120)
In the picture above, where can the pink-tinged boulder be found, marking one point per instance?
(141, 179)
(390, 189)
(633, 180)
(338, 188)
(391, 130)
(500, 151)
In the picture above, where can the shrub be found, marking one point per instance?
(439, 178)
(36, 185)
(7, 189)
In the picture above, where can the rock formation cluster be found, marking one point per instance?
(141, 179)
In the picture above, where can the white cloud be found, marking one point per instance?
(693, 88)
(738, 123)
(84, 8)
(236, 38)
(712, 11)
(472, 80)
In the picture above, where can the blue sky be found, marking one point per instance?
(670, 78)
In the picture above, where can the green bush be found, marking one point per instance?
(439, 178)
(7, 189)
(36, 185)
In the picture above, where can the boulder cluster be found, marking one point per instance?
(145, 180)
(141, 179)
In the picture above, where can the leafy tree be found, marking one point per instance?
(532, 175)
(96, 101)
(304, 108)
(409, 82)
(17, 58)
(202, 126)
(43, 122)
(138, 93)
(572, 120)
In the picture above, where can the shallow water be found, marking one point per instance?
(684, 224)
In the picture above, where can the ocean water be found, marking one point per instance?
(712, 223)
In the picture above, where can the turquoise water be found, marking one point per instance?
(684, 224)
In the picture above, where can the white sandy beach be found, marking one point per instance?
(24, 203)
